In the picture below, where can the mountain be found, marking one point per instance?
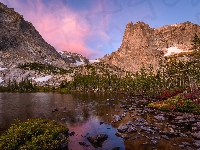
(73, 59)
(20, 42)
(143, 45)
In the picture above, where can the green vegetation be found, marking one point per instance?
(45, 68)
(35, 134)
(23, 86)
(177, 103)
(177, 73)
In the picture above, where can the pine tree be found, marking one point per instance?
(196, 43)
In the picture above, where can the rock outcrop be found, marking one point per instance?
(73, 59)
(20, 42)
(145, 45)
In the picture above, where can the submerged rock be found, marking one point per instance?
(97, 139)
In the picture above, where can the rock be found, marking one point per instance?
(131, 129)
(97, 139)
(72, 133)
(122, 128)
(21, 42)
(159, 117)
(101, 122)
(129, 123)
(122, 135)
(165, 137)
(117, 118)
(197, 143)
(196, 135)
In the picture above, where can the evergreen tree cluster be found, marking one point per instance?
(23, 86)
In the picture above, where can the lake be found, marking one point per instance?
(87, 114)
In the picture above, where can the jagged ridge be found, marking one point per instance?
(144, 45)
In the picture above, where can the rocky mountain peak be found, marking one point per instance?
(20, 42)
(143, 45)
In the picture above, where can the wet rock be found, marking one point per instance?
(122, 135)
(101, 122)
(197, 143)
(165, 137)
(83, 144)
(117, 118)
(72, 133)
(196, 135)
(122, 128)
(97, 139)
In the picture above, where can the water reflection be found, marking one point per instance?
(80, 112)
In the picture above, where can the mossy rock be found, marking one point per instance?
(35, 134)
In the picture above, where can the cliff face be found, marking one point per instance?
(144, 45)
(20, 42)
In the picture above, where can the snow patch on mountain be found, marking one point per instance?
(93, 61)
(78, 63)
(42, 79)
(172, 50)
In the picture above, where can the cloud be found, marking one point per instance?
(59, 25)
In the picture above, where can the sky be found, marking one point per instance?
(94, 28)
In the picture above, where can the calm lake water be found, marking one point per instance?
(82, 113)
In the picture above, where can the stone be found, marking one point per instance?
(97, 139)
(196, 135)
(122, 128)
(165, 137)
(117, 118)
(159, 117)
(197, 143)
(122, 135)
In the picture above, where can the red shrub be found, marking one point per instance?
(165, 94)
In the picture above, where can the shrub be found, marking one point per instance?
(176, 103)
(165, 94)
(35, 134)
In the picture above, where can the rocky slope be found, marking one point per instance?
(145, 45)
(73, 59)
(20, 42)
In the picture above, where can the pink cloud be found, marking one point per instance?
(61, 27)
